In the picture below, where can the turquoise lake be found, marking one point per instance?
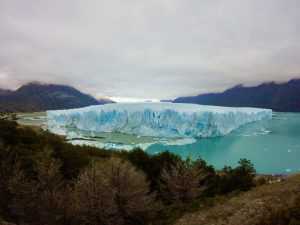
(273, 146)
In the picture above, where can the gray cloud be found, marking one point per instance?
(149, 49)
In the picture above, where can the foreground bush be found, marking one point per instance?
(112, 192)
(40, 199)
(181, 182)
(240, 178)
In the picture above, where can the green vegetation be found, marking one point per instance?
(44, 180)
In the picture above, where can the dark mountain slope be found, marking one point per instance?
(283, 97)
(4, 92)
(41, 97)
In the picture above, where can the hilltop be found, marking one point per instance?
(40, 97)
(283, 97)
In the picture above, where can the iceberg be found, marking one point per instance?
(164, 120)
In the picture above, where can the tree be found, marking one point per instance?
(50, 188)
(181, 183)
(93, 202)
(39, 197)
(151, 165)
(6, 172)
(245, 173)
(113, 192)
(23, 192)
(240, 178)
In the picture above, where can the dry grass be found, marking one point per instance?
(260, 206)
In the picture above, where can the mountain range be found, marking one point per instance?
(40, 97)
(283, 97)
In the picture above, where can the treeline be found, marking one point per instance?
(44, 180)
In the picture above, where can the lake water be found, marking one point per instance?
(273, 146)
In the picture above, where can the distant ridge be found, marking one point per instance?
(284, 97)
(4, 91)
(40, 97)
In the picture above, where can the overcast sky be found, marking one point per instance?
(149, 48)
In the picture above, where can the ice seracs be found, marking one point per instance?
(170, 120)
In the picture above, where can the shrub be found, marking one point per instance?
(113, 192)
(181, 183)
(240, 178)
(152, 165)
(38, 199)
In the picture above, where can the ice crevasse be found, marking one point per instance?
(173, 120)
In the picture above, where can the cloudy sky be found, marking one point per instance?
(149, 48)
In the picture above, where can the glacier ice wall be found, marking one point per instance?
(171, 120)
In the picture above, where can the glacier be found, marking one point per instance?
(167, 120)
